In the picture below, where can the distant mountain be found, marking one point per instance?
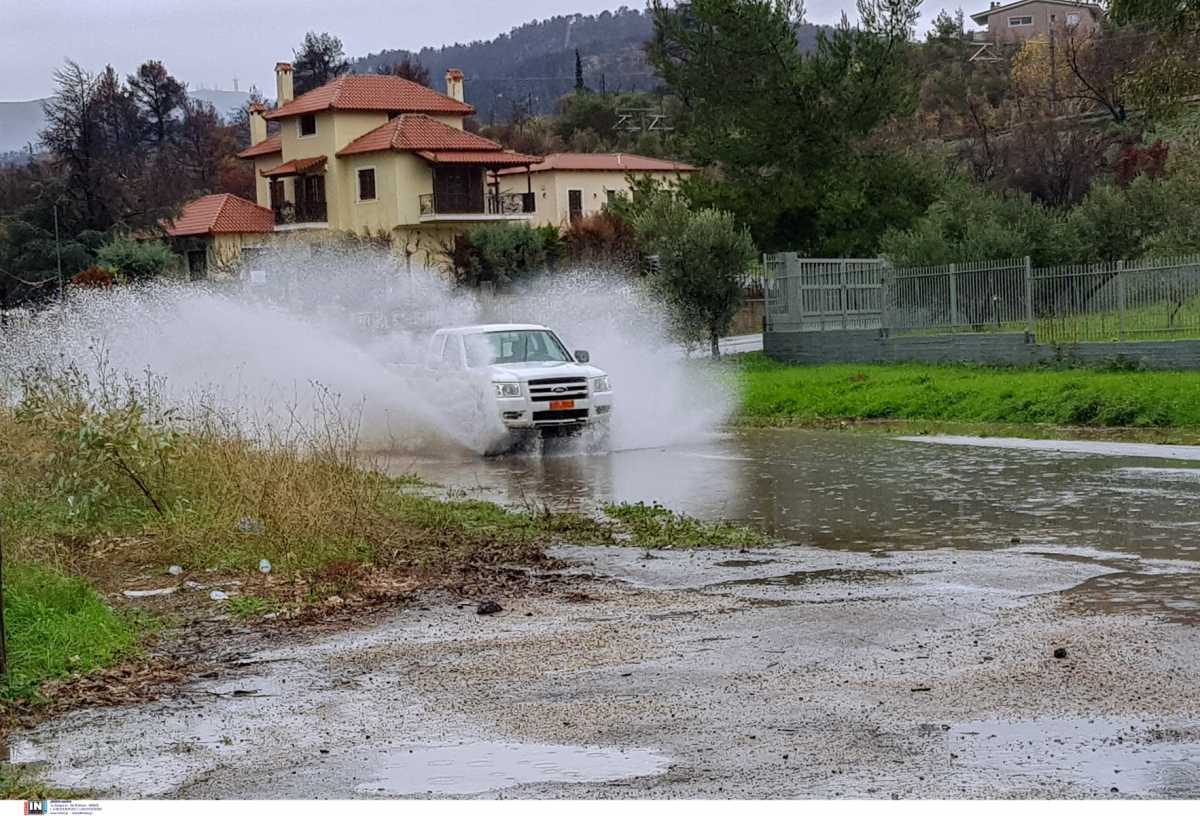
(534, 64)
(20, 122)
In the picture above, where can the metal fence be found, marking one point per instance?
(1124, 300)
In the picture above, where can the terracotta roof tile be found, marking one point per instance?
(374, 93)
(611, 162)
(434, 141)
(494, 158)
(415, 131)
(223, 212)
(269, 145)
(295, 167)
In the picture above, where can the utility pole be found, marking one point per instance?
(58, 252)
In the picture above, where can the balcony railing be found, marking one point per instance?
(433, 204)
(306, 212)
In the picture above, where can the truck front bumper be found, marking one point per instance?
(521, 412)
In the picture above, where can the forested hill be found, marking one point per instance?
(534, 64)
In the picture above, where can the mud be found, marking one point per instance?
(919, 663)
(675, 679)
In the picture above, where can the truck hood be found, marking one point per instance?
(531, 371)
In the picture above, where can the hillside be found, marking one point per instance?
(21, 121)
(534, 64)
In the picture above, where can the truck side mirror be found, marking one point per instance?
(582, 357)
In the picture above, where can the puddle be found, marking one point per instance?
(1173, 597)
(744, 562)
(485, 766)
(1189, 453)
(1097, 753)
(806, 577)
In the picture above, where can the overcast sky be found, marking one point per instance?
(208, 43)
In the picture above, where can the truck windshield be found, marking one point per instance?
(526, 346)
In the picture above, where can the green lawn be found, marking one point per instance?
(776, 393)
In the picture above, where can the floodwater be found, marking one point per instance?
(860, 491)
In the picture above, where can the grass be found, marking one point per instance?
(57, 626)
(776, 393)
(654, 526)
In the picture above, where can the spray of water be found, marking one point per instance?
(277, 349)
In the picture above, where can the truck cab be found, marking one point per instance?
(535, 381)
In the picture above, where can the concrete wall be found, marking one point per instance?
(873, 346)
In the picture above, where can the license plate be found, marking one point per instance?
(561, 405)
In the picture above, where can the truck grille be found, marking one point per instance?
(558, 388)
(576, 414)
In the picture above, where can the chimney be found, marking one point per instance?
(454, 84)
(258, 123)
(283, 83)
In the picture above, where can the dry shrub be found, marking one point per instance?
(604, 238)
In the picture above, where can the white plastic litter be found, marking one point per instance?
(148, 593)
(264, 566)
(175, 569)
(218, 595)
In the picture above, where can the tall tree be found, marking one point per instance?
(74, 137)
(160, 96)
(408, 67)
(579, 86)
(319, 60)
(779, 122)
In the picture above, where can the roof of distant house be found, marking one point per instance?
(982, 16)
(269, 145)
(434, 141)
(608, 162)
(222, 212)
(372, 92)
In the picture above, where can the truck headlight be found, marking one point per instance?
(506, 390)
(600, 385)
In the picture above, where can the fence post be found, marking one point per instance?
(953, 295)
(1121, 300)
(845, 304)
(1029, 328)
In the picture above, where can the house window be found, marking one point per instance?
(308, 124)
(366, 184)
(1072, 19)
(574, 205)
(1020, 21)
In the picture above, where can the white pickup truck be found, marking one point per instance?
(535, 382)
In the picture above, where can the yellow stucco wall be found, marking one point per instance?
(551, 189)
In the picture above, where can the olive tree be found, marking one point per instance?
(699, 260)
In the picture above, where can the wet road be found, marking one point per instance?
(903, 646)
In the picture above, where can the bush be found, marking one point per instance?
(603, 238)
(502, 254)
(94, 277)
(969, 223)
(137, 259)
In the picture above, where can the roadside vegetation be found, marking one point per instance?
(105, 491)
(779, 394)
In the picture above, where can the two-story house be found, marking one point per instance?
(376, 155)
(1016, 22)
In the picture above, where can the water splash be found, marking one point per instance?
(332, 329)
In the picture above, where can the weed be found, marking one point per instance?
(654, 526)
